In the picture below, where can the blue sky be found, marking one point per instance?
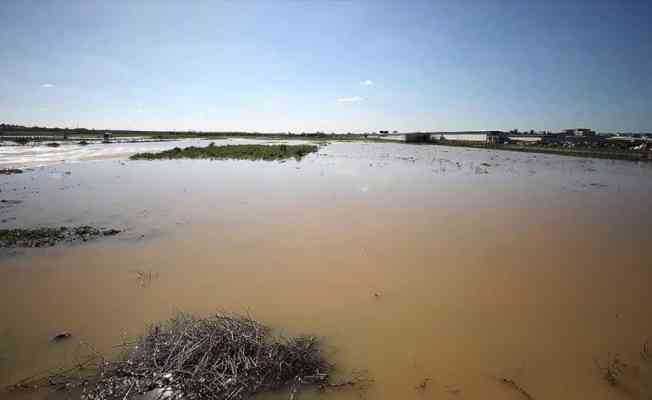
(327, 65)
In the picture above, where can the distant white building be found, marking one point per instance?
(579, 132)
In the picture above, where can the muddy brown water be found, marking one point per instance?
(412, 262)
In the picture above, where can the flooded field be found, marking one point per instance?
(40, 154)
(439, 271)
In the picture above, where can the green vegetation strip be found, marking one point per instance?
(47, 237)
(238, 152)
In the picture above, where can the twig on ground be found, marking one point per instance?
(56, 378)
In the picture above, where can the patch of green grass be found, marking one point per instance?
(238, 152)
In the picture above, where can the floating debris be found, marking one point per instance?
(512, 383)
(613, 369)
(61, 336)
(423, 385)
(145, 278)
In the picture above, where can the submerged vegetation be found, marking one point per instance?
(47, 237)
(239, 151)
(633, 377)
(220, 357)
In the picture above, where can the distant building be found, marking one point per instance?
(107, 137)
(579, 132)
(417, 137)
(495, 137)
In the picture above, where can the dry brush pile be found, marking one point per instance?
(220, 357)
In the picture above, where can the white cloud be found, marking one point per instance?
(354, 99)
(367, 82)
(47, 85)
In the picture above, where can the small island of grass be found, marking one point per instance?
(238, 152)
